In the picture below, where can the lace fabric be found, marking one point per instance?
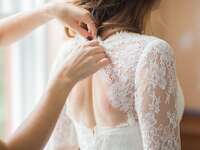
(64, 135)
(142, 82)
(155, 98)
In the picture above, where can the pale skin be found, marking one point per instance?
(36, 130)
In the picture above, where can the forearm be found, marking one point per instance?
(35, 132)
(17, 26)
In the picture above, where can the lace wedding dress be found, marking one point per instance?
(142, 82)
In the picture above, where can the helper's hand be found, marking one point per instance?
(82, 63)
(73, 17)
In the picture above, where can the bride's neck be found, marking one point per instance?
(108, 32)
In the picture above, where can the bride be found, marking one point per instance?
(135, 103)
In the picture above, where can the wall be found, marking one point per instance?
(178, 22)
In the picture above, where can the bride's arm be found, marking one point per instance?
(156, 87)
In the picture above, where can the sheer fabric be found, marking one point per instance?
(141, 82)
(64, 135)
(155, 98)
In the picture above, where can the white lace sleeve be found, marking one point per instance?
(155, 98)
(64, 134)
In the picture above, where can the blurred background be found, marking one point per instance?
(24, 66)
(178, 22)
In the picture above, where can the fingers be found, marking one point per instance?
(91, 32)
(94, 54)
(92, 43)
(96, 50)
(81, 30)
(103, 62)
(99, 57)
(90, 24)
(88, 21)
(93, 47)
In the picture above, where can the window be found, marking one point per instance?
(26, 67)
(2, 104)
(5, 10)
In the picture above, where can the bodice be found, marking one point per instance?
(141, 81)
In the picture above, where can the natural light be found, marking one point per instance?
(148, 96)
(24, 67)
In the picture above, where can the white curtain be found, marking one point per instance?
(29, 64)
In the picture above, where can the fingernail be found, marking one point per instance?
(89, 38)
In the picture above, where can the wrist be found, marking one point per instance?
(55, 9)
(62, 82)
(63, 85)
(57, 92)
(49, 10)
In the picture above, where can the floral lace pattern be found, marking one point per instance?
(155, 98)
(142, 82)
(120, 75)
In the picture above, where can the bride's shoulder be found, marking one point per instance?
(148, 43)
(157, 51)
(143, 39)
(157, 45)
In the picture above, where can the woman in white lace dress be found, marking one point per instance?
(135, 103)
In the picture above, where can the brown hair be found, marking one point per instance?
(128, 15)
